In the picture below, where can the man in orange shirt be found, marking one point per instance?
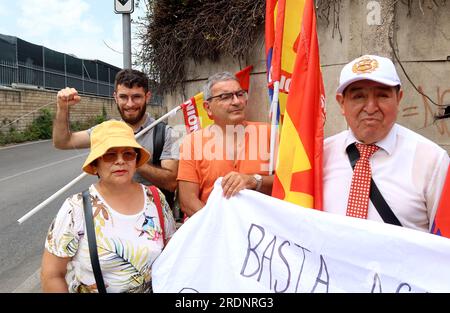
(232, 148)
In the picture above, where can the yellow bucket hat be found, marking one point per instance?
(112, 134)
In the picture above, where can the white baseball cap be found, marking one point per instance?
(371, 67)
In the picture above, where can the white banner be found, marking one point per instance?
(255, 243)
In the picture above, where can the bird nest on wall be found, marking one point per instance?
(175, 31)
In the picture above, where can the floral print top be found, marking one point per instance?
(127, 244)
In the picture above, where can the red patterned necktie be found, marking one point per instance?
(358, 200)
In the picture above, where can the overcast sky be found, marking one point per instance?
(84, 28)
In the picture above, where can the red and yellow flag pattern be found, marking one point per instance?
(283, 24)
(441, 224)
(298, 177)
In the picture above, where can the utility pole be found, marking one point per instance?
(126, 29)
(125, 7)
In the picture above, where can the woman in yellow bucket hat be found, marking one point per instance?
(125, 216)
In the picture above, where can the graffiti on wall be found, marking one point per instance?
(430, 110)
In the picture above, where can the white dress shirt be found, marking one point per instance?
(408, 169)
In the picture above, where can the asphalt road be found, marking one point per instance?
(29, 174)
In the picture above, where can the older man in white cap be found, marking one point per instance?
(377, 169)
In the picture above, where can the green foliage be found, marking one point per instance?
(77, 125)
(101, 118)
(12, 136)
(41, 127)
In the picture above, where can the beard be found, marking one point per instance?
(132, 120)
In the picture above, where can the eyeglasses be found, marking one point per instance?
(227, 97)
(137, 98)
(113, 156)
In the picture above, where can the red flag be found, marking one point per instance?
(275, 22)
(244, 77)
(441, 224)
(269, 33)
(298, 176)
(279, 40)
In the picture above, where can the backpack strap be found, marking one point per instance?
(157, 201)
(375, 195)
(159, 136)
(92, 241)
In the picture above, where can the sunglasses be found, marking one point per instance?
(110, 157)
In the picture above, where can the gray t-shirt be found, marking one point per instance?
(170, 150)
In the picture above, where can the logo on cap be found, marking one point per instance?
(365, 65)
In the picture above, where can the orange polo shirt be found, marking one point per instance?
(204, 156)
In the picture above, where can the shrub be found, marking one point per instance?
(41, 127)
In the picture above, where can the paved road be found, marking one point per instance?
(29, 174)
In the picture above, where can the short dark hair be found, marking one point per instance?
(131, 78)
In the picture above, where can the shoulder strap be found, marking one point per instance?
(159, 137)
(157, 201)
(158, 142)
(375, 195)
(92, 243)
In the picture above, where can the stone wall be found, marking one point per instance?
(422, 44)
(19, 106)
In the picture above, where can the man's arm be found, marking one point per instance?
(188, 194)
(162, 177)
(234, 182)
(266, 186)
(63, 138)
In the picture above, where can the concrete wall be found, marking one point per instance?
(257, 109)
(20, 106)
(422, 42)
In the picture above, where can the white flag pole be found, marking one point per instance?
(162, 118)
(77, 179)
(51, 198)
(274, 124)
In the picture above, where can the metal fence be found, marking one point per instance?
(25, 63)
(17, 73)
